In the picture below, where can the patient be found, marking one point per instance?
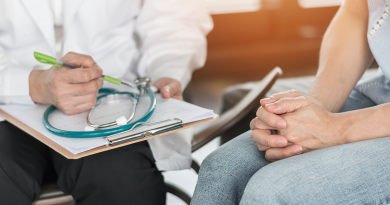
(324, 148)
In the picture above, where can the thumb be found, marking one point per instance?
(286, 105)
(174, 88)
(165, 91)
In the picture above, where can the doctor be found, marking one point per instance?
(161, 39)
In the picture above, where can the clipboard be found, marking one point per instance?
(69, 155)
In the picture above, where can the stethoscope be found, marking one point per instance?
(122, 123)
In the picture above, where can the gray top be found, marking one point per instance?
(378, 33)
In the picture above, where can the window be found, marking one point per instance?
(319, 3)
(232, 6)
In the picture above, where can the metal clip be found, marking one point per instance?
(176, 125)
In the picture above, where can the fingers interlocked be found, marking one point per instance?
(268, 118)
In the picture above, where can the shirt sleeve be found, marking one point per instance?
(14, 82)
(172, 36)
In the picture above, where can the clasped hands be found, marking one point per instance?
(75, 90)
(290, 123)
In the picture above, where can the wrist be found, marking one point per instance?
(344, 124)
(35, 86)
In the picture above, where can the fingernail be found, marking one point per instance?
(271, 106)
(281, 142)
(297, 150)
(281, 124)
(167, 89)
(266, 99)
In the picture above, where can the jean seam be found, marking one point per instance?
(368, 85)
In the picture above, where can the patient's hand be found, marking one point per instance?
(70, 90)
(169, 88)
(301, 122)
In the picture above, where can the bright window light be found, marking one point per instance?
(232, 6)
(319, 3)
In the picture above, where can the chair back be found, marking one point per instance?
(237, 112)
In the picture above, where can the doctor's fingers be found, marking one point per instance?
(77, 59)
(90, 87)
(169, 87)
(77, 75)
(275, 97)
(270, 119)
(76, 104)
(275, 154)
(265, 138)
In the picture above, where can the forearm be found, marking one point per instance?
(37, 87)
(365, 124)
(344, 56)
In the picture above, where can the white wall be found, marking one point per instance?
(319, 3)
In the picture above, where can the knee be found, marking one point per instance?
(267, 187)
(238, 155)
(289, 181)
(107, 171)
(214, 160)
(16, 183)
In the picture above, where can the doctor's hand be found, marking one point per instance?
(169, 88)
(70, 90)
(301, 123)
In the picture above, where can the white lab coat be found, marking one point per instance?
(127, 38)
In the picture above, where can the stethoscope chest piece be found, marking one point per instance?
(110, 97)
(143, 83)
(107, 99)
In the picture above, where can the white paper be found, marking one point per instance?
(166, 108)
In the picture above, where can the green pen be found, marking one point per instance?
(59, 63)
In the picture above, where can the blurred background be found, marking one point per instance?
(251, 37)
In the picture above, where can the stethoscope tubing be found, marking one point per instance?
(100, 133)
(111, 93)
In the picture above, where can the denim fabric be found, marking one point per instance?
(356, 173)
(225, 172)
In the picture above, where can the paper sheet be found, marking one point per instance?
(166, 108)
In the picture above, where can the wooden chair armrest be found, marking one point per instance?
(237, 112)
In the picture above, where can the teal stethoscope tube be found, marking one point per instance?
(106, 132)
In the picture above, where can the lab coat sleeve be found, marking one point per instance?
(172, 37)
(14, 81)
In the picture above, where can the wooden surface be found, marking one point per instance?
(245, 46)
(70, 155)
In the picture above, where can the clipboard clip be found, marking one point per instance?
(176, 124)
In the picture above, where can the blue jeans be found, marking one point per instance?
(356, 173)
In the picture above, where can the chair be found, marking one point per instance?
(52, 195)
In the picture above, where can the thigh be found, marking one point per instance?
(225, 172)
(22, 165)
(356, 173)
(126, 175)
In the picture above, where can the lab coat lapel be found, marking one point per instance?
(43, 17)
(70, 9)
